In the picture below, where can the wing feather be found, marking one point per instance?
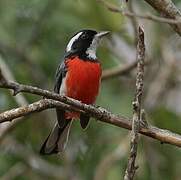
(60, 75)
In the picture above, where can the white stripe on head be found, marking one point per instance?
(69, 46)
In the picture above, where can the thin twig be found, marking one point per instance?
(101, 114)
(167, 9)
(131, 168)
(115, 9)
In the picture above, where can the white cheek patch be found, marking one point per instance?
(91, 51)
(69, 46)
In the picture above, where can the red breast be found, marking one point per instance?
(83, 79)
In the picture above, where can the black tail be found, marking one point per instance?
(57, 139)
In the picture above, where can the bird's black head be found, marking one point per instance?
(84, 44)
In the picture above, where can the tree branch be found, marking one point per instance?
(101, 114)
(131, 168)
(170, 18)
(34, 107)
(167, 9)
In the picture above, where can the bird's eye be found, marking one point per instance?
(84, 36)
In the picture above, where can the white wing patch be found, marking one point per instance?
(69, 46)
(63, 88)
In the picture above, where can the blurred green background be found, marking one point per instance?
(33, 37)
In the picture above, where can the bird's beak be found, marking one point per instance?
(102, 34)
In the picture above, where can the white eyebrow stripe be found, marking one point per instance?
(69, 46)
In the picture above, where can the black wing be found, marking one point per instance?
(60, 74)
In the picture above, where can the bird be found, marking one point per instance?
(78, 76)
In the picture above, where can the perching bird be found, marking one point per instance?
(78, 77)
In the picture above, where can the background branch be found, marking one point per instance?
(118, 71)
(151, 17)
(14, 171)
(20, 99)
(6, 75)
(34, 161)
(167, 9)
